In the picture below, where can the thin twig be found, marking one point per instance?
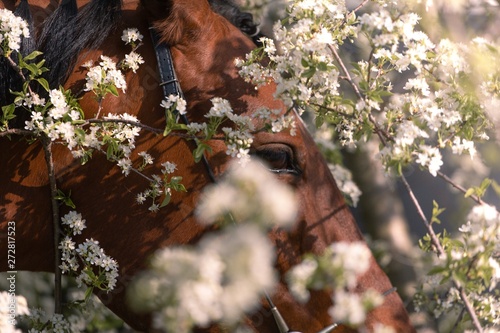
(47, 147)
(361, 5)
(124, 121)
(441, 253)
(333, 110)
(21, 74)
(459, 187)
(384, 137)
(15, 131)
(434, 239)
(346, 72)
(151, 129)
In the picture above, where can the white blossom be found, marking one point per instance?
(220, 108)
(431, 158)
(131, 35)
(168, 167)
(132, 61)
(74, 221)
(250, 193)
(177, 101)
(11, 304)
(12, 29)
(219, 280)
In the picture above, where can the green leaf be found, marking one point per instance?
(88, 293)
(66, 199)
(32, 68)
(112, 89)
(309, 72)
(44, 83)
(436, 211)
(323, 66)
(469, 192)
(176, 180)
(437, 270)
(33, 55)
(8, 112)
(200, 150)
(304, 62)
(320, 120)
(485, 184)
(166, 200)
(167, 130)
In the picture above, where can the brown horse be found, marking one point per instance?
(204, 45)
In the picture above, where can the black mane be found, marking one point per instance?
(67, 32)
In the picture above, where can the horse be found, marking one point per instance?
(204, 45)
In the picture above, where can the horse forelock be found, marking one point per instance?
(182, 20)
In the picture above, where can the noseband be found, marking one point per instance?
(171, 86)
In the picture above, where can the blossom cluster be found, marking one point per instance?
(423, 121)
(176, 103)
(248, 193)
(132, 36)
(339, 268)
(61, 118)
(86, 256)
(105, 77)
(12, 29)
(161, 186)
(437, 108)
(220, 280)
(343, 178)
(303, 68)
(133, 59)
(238, 138)
(473, 258)
(55, 118)
(226, 274)
(6, 302)
(446, 94)
(42, 323)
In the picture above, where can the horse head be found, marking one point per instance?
(204, 46)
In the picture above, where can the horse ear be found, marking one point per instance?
(178, 20)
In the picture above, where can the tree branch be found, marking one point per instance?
(15, 131)
(440, 252)
(459, 187)
(47, 147)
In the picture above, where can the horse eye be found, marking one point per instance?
(279, 158)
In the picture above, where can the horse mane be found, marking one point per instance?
(67, 32)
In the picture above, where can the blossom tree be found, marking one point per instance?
(417, 98)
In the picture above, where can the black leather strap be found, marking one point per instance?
(169, 82)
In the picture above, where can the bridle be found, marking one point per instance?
(170, 86)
